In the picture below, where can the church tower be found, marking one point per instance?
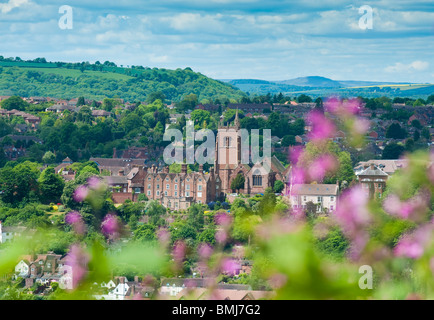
(228, 151)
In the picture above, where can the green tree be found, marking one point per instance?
(278, 186)
(14, 102)
(145, 232)
(49, 157)
(238, 182)
(395, 131)
(393, 151)
(50, 185)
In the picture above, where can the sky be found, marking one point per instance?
(232, 39)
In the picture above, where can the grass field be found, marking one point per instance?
(77, 73)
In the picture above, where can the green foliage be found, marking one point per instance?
(14, 102)
(238, 182)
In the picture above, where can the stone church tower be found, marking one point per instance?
(228, 152)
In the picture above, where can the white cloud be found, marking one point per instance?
(414, 66)
(7, 7)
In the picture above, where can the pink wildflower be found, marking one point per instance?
(77, 259)
(321, 166)
(110, 225)
(322, 127)
(94, 182)
(178, 252)
(223, 219)
(205, 251)
(80, 193)
(230, 266)
(74, 218)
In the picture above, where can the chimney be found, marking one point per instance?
(184, 168)
(136, 279)
(121, 173)
(201, 168)
(122, 280)
(166, 169)
(372, 166)
(114, 153)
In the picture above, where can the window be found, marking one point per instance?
(158, 193)
(167, 186)
(176, 193)
(257, 178)
(149, 186)
(304, 198)
(187, 194)
(227, 142)
(167, 179)
(137, 190)
(149, 179)
(176, 187)
(332, 198)
(199, 194)
(149, 193)
(199, 188)
(158, 186)
(165, 193)
(319, 199)
(331, 208)
(188, 187)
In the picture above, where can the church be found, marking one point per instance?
(178, 191)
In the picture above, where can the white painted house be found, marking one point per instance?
(22, 269)
(325, 196)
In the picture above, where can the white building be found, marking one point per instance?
(325, 196)
(22, 269)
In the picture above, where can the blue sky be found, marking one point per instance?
(231, 39)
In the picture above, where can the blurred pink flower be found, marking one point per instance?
(72, 217)
(80, 193)
(230, 266)
(294, 154)
(110, 225)
(94, 182)
(163, 236)
(221, 236)
(78, 260)
(178, 252)
(413, 245)
(353, 216)
(223, 219)
(322, 127)
(409, 248)
(360, 126)
(414, 208)
(321, 166)
(277, 280)
(342, 108)
(76, 221)
(205, 251)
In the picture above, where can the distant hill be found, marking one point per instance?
(317, 86)
(97, 81)
(317, 82)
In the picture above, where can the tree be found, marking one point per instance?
(278, 186)
(303, 98)
(395, 131)
(145, 232)
(155, 96)
(238, 182)
(311, 209)
(393, 151)
(288, 140)
(50, 185)
(425, 133)
(49, 157)
(14, 102)
(17, 183)
(81, 102)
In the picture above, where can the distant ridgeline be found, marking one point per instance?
(100, 80)
(315, 86)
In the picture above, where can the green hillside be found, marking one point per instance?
(97, 81)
